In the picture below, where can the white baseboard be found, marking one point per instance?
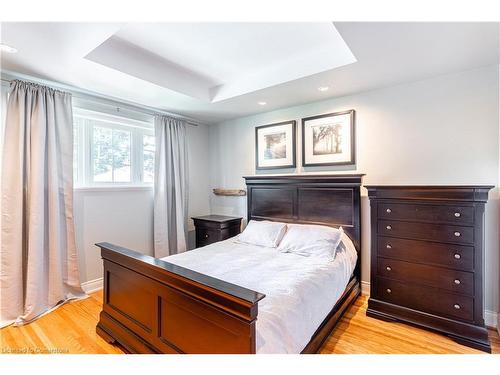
(92, 285)
(365, 288)
(491, 318)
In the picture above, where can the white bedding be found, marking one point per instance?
(300, 291)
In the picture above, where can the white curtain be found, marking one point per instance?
(39, 266)
(4, 90)
(171, 187)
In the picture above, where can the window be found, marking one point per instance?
(110, 150)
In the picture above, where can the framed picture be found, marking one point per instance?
(328, 139)
(275, 145)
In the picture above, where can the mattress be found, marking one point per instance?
(300, 291)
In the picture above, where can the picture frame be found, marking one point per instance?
(275, 145)
(329, 139)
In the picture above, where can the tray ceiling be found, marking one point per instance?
(218, 61)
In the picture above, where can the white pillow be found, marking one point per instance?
(311, 240)
(263, 233)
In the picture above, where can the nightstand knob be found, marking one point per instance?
(457, 256)
(388, 268)
(388, 290)
(457, 234)
(457, 214)
(388, 227)
(388, 210)
(206, 235)
(388, 246)
(457, 281)
(456, 306)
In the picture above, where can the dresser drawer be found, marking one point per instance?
(427, 231)
(426, 299)
(443, 278)
(423, 212)
(451, 256)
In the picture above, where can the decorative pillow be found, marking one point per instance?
(311, 240)
(263, 233)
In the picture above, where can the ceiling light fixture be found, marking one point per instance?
(323, 88)
(261, 103)
(6, 48)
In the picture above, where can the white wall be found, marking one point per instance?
(443, 130)
(125, 217)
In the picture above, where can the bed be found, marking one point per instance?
(208, 300)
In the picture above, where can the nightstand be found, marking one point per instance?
(213, 228)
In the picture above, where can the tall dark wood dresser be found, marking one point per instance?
(427, 259)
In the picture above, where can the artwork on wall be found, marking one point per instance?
(328, 139)
(275, 145)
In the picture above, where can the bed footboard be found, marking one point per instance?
(152, 306)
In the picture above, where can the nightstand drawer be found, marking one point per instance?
(422, 212)
(442, 278)
(205, 236)
(426, 299)
(452, 256)
(427, 231)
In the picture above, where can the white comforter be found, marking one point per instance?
(300, 291)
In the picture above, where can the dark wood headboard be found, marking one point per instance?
(332, 200)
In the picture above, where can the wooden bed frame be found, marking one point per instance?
(152, 306)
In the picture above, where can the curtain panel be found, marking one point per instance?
(170, 187)
(4, 91)
(38, 259)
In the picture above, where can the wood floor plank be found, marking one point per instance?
(71, 329)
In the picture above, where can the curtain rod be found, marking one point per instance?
(101, 99)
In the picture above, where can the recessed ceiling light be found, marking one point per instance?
(261, 103)
(323, 88)
(6, 48)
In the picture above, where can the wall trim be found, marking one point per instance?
(365, 288)
(92, 285)
(491, 318)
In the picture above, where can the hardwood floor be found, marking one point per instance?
(358, 334)
(71, 329)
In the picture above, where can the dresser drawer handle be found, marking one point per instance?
(457, 256)
(457, 234)
(456, 306)
(388, 268)
(457, 281)
(388, 227)
(457, 214)
(388, 290)
(207, 235)
(388, 246)
(388, 210)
